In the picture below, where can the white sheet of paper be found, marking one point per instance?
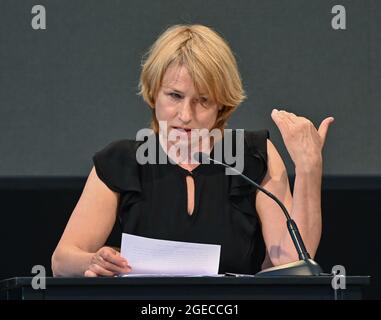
(148, 256)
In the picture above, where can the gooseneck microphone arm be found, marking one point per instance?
(307, 265)
(291, 225)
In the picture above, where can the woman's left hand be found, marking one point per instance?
(303, 142)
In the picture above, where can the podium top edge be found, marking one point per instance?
(227, 280)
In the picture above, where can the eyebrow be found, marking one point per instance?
(178, 91)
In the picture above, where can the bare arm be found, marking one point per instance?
(304, 143)
(86, 232)
(304, 208)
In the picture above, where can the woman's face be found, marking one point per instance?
(181, 106)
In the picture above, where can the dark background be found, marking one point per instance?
(67, 91)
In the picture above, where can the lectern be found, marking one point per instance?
(185, 288)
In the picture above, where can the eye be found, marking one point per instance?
(203, 100)
(175, 95)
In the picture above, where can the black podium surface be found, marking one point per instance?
(184, 288)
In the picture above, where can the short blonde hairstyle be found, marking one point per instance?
(209, 60)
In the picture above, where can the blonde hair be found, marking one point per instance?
(209, 61)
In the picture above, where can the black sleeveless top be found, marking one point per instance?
(153, 200)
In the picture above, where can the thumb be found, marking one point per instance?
(323, 128)
(89, 273)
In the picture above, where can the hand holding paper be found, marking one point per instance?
(163, 257)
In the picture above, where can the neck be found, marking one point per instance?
(185, 160)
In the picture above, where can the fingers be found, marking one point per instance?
(107, 262)
(288, 115)
(276, 116)
(283, 120)
(113, 267)
(282, 114)
(287, 120)
(323, 128)
(98, 271)
(111, 256)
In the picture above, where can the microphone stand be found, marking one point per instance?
(305, 266)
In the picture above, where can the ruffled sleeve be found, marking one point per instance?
(117, 167)
(255, 166)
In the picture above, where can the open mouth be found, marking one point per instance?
(182, 129)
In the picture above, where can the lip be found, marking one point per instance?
(182, 129)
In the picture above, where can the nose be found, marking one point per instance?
(185, 112)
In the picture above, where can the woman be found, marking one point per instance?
(190, 80)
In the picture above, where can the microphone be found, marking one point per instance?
(305, 266)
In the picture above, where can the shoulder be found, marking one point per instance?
(116, 165)
(256, 141)
(260, 146)
(256, 137)
(255, 152)
(259, 134)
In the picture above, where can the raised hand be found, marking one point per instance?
(303, 141)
